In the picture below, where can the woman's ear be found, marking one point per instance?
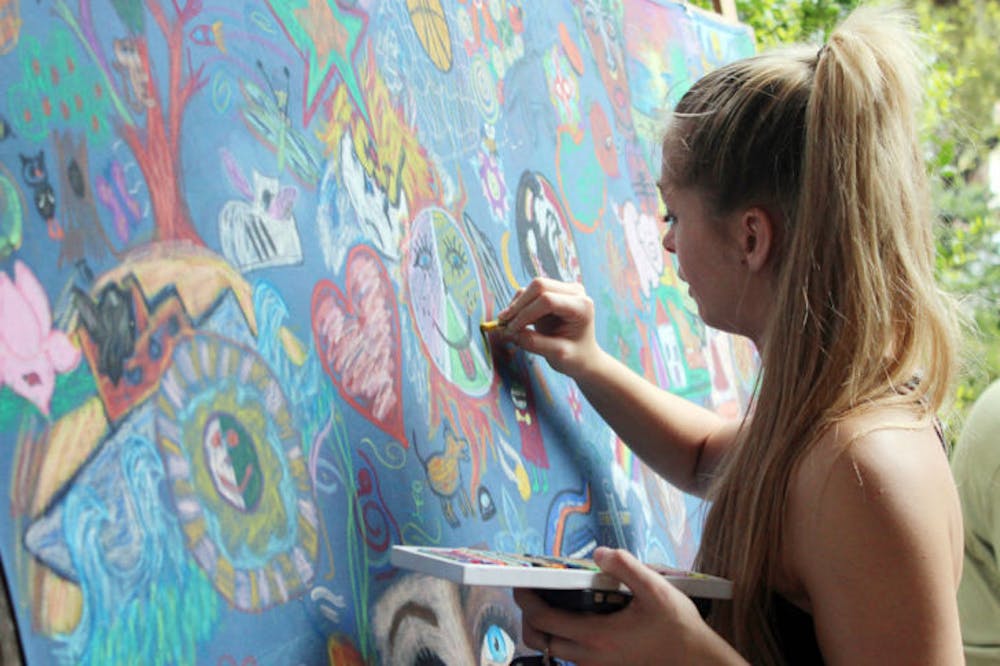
(757, 237)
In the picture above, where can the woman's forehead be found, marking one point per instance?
(667, 189)
(663, 187)
(671, 172)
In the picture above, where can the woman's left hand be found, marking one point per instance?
(661, 625)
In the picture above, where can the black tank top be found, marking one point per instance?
(793, 627)
(795, 633)
(793, 630)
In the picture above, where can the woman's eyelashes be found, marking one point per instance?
(670, 219)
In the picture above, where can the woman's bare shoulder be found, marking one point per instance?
(870, 453)
(874, 518)
(882, 473)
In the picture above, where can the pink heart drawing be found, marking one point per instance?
(357, 338)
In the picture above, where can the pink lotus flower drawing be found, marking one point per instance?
(31, 352)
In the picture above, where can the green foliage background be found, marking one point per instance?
(959, 128)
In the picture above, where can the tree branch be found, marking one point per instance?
(190, 10)
(157, 12)
(84, 31)
(195, 81)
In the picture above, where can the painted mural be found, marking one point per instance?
(244, 251)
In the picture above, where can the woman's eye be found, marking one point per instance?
(670, 219)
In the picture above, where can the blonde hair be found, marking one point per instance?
(828, 140)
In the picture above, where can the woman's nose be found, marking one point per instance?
(668, 241)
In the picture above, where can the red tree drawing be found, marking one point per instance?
(156, 145)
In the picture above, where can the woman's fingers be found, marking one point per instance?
(649, 589)
(555, 320)
(660, 625)
(529, 602)
(529, 295)
(543, 619)
(567, 634)
(548, 310)
(625, 568)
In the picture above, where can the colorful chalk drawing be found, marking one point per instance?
(244, 252)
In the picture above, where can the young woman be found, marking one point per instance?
(800, 217)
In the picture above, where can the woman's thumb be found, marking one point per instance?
(625, 568)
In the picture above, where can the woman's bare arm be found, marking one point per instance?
(678, 439)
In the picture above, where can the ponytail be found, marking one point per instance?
(828, 138)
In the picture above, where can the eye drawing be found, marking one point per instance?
(496, 635)
(422, 258)
(427, 657)
(455, 257)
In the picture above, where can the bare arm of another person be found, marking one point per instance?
(875, 541)
(680, 440)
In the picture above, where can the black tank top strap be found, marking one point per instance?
(911, 385)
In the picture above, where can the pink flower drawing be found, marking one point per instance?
(31, 352)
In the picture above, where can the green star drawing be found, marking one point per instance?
(327, 37)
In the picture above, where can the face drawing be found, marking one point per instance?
(380, 221)
(128, 63)
(424, 620)
(232, 461)
(642, 238)
(546, 243)
(447, 301)
(601, 25)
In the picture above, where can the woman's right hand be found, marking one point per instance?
(561, 320)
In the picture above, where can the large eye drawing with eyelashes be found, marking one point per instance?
(424, 277)
(424, 621)
(455, 258)
(422, 258)
(427, 657)
(497, 647)
(419, 621)
(494, 626)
